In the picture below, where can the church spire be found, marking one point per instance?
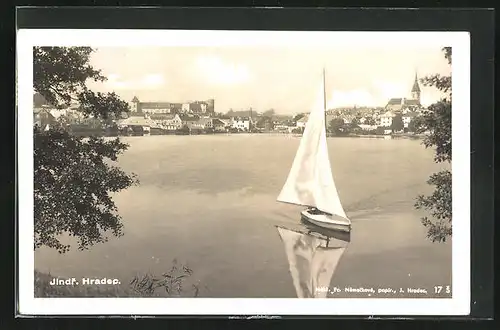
(416, 87)
(415, 91)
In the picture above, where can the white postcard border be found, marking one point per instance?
(459, 304)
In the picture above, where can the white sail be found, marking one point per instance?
(311, 265)
(310, 181)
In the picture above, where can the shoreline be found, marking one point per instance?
(363, 136)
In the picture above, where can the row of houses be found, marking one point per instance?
(172, 122)
(45, 117)
(384, 119)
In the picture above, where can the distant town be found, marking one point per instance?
(398, 116)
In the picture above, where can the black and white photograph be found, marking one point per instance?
(201, 165)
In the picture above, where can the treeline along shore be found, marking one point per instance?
(141, 133)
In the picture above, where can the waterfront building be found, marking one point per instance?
(242, 123)
(136, 122)
(301, 123)
(170, 122)
(408, 117)
(386, 119)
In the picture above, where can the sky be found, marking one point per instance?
(285, 79)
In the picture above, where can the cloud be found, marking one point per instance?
(388, 89)
(358, 97)
(153, 80)
(215, 71)
(150, 81)
(113, 77)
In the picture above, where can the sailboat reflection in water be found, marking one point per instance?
(313, 258)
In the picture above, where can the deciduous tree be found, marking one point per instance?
(437, 122)
(336, 126)
(74, 176)
(370, 121)
(412, 125)
(397, 123)
(269, 113)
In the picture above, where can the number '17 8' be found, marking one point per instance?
(441, 289)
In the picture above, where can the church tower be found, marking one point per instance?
(415, 91)
(134, 104)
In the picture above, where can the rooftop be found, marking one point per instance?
(412, 102)
(188, 118)
(135, 121)
(394, 101)
(303, 119)
(388, 114)
(155, 105)
(162, 116)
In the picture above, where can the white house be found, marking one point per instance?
(205, 123)
(242, 123)
(407, 118)
(301, 123)
(167, 121)
(173, 123)
(386, 119)
(136, 121)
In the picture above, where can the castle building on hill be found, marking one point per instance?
(197, 107)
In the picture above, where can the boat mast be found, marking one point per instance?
(324, 97)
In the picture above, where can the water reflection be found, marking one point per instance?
(313, 254)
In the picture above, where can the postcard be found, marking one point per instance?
(189, 172)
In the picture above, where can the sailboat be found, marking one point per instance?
(312, 261)
(310, 181)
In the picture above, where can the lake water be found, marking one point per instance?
(210, 202)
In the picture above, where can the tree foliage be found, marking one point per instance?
(298, 130)
(412, 125)
(269, 113)
(74, 176)
(397, 123)
(265, 122)
(437, 122)
(336, 126)
(370, 121)
(439, 205)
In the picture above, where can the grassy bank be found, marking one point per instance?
(173, 283)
